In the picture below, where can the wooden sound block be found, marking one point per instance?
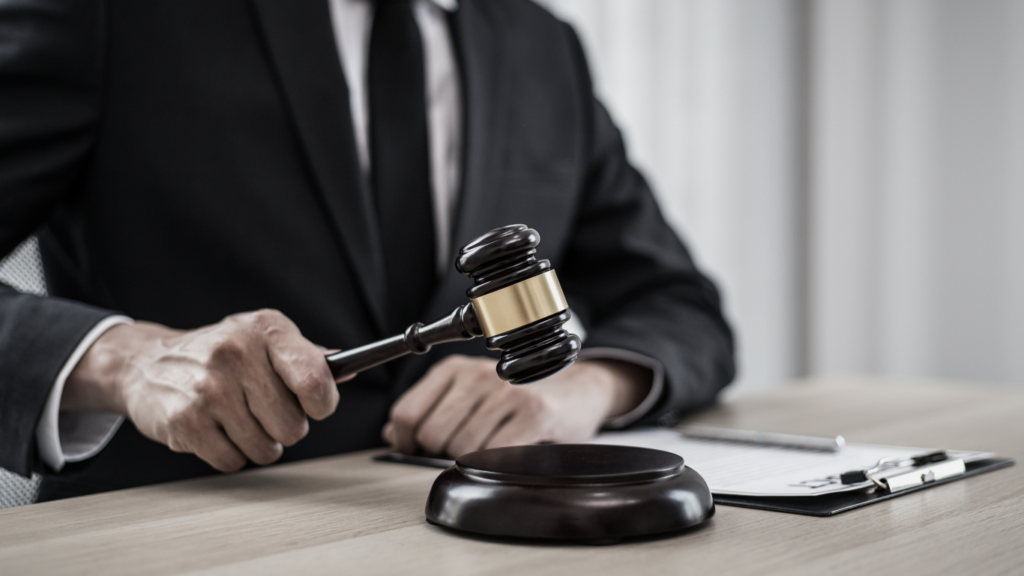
(587, 492)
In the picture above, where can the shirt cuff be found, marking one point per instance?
(75, 436)
(657, 385)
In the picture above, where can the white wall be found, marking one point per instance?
(919, 189)
(852, 173)
(705, 92)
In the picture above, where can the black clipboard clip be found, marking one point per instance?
(890, 475)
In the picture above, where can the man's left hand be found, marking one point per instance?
(461, 406)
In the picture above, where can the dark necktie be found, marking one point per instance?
(400, 164)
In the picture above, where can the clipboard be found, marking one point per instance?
(832, 504)
(821, 506)
(818, 482)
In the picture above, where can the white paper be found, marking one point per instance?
(736, 469)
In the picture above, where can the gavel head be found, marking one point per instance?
(519, 304)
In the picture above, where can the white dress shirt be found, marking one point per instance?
(75, 436)
(353, 21)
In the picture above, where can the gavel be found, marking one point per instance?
(516, 302)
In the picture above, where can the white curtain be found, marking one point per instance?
(918, 180)
(851, 173)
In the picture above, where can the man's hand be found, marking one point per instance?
(239, 389)
(461, 406)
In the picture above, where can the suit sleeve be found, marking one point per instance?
(633, 283)
(51, 73)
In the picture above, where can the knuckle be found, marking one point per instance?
(547, 407)
(265, 316)
(265, 320)
(231, 463)
(403, 415)
(429, 440)
(454, 359)
(268, 453)
(503, 397)
(484, 371)
(294, 432)
(441, 366)
(457, 448)
(311, 383)
(182, 424)
(209, 392)
(453, 362)
(535, 404)
(229, 348)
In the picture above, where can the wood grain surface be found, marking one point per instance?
(347, 514)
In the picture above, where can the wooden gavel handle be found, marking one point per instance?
(461, 324)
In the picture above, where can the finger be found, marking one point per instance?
(522, 428)
(275, 407)
(418, 401)
(299, 363)
(468, 389)
(217, 451)
(489, 416)
(264, 393)
(388, 433)
(249, 436)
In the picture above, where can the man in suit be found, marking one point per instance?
(222, 189)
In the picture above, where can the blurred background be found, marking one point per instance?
(851, 174)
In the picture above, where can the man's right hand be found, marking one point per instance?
(239, 389)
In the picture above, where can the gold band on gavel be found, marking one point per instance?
(517, 305)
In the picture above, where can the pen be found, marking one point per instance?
(823, 443)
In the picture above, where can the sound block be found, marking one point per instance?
(588, 492)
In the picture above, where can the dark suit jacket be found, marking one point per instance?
(183, 160)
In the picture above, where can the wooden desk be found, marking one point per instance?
(349, 515)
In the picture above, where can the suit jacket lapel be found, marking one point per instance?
(301, 43)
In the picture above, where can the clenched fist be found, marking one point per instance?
(461, 406)
(239, 389)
